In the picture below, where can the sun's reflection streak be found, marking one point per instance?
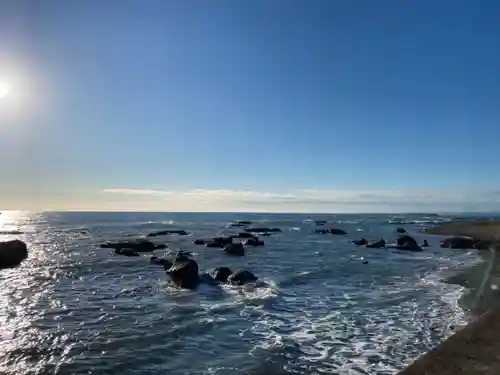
(31, 340)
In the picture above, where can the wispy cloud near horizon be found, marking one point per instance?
(318, 200)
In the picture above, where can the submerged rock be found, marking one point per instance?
(139, 245)
(243, 235)
(337, 231)
(241, 277)
(12, 253)
(254, 242)
(180, 232)
(262, 230)
(237, 225)
(360, 242)
(458, 242)
(401, 230)
(407, 243)
(11, 232)
(184, 273)
(219, 242)
(377, 245)
(320, 222)
(244, 222)
(126, 252)
(200, 242)
(322, 231)
(235, 249)
(221, 274)
(161, 262)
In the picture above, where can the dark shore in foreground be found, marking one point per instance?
(473, 350)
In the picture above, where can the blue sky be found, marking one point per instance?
(250, 105)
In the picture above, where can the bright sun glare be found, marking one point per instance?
(4, 89)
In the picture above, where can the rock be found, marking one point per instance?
(377, 245)
(425, 244)
(262, 230)
(11, 232)
(139, 245)
(265, 234)
(241, 277)
(180, 232)
(401, 230)
(408, 243)
(243, 235)
(237, 225)
(235, 249)
(458, 242)
(322, 231)
(360, 242)
(200, 242)
(245, 222)
(320, 222)
(184, 273)
(483, 245)
(161, 262)
(12, 253)
(219, 242)
(221, 274)
(126, 252)
(337, 231)
(254, 242)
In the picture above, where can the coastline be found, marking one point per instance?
(472, 350)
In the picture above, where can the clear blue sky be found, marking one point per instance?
(262, 96)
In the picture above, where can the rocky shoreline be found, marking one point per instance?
(473, 350)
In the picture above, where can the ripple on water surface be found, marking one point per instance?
(322, 305)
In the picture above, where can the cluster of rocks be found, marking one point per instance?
(184, 272)
(464, 242)
(132, 247)
(330, 231)
(404, 242)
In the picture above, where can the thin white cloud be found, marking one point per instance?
(318, 200)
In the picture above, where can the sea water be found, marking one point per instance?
(324, 306)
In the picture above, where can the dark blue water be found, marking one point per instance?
(73, 308)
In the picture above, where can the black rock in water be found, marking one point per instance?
(241, 277)
(254, 242)
(337, 231)
(235, 249)
(139, 245)
(377, 245)
(458, 242)
(126, 252)
(245, 222)
(180, 232)
(401, 230)
(161, 262)
(184, 273)
(243, 235)
(12, 253)
(360, 242)
(221, 274)
(200, 242)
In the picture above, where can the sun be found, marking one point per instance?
(4, 89)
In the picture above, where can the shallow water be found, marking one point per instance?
(73, 308)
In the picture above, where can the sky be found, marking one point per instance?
(262, 105)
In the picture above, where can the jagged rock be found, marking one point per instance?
(241, 277)
(221, 274)
(184, 273)
(12, 253)
(235, 249)
(408, 243)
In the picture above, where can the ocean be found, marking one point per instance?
(324, 305)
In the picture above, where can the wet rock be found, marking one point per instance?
(483, 245)
(243, 235)
(425, 244)
(401, 230)
(320, 222)
(241, 277)
(139, 245)
(127, 252)
(360, 242)
(11, 232)
(244, 222)
(237, 225)
(12, 253)
(221, 274)
(235, 249)
(408, 243)
(180, 232)
(322, 231)
(377, 245)
(254, 242)
(161, 262)
(337, 231)
(458, 242)
(200, 242)
(262, 230)
(184, 273)
(219, 242)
